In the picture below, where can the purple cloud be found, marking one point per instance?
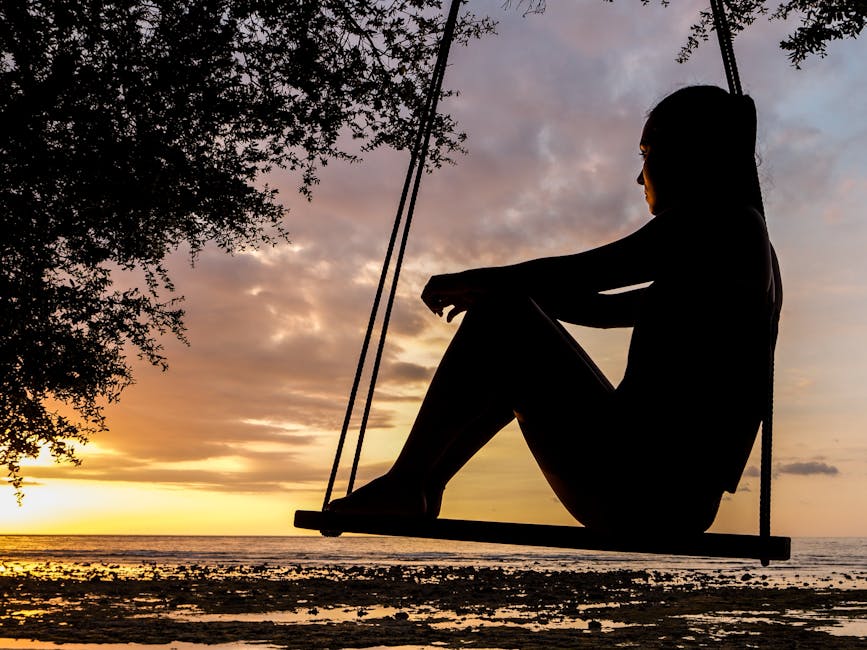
(807, 468)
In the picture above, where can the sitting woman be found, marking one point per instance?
(662, 446)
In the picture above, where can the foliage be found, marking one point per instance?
(821, 21)
(133, 128)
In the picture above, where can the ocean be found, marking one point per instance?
(127, 592)
(828, 560)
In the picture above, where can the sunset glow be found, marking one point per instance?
(241, 430)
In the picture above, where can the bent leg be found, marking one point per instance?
(603, 459)
(568, 413)
(507, 358)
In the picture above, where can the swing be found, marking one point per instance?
(763, 546)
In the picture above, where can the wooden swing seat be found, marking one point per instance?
(576, 537)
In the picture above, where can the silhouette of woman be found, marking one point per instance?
(662, 446)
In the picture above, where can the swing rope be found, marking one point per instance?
(724, 36)
(411, 185)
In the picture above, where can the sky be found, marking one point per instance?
(241, 430)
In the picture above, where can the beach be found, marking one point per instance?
(497, 603)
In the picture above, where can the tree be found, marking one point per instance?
(821, 21)
(131, 128)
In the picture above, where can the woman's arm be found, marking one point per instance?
(568, 284)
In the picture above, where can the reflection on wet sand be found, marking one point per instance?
(28, 644)
(300, 606)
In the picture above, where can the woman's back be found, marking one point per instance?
(697, 367)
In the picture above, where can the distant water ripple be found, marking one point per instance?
(812, 558)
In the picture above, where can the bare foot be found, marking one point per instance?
(384, 496)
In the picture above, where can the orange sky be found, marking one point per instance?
(240, 431)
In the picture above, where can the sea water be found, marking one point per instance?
(836, 561)
(817, 563)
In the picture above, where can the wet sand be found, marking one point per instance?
(309, 607)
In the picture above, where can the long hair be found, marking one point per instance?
(709, 138)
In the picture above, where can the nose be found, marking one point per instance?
(640, 178)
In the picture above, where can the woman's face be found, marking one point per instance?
(655, 173)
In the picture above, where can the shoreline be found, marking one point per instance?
(364, 606)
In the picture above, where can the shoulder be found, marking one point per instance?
(714, 226)
(720, 237)
(720, 217)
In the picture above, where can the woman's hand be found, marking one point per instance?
(458, 290)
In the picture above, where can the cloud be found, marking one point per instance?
(807, 468)
(553, 108)
(246, 472)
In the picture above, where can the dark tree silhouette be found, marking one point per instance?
(132, 128)
(821, 21)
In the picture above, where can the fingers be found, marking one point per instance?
(447, 290)
(439, 303)
(436, 303)
(431, 297)
(454, 312)
(436, 295)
